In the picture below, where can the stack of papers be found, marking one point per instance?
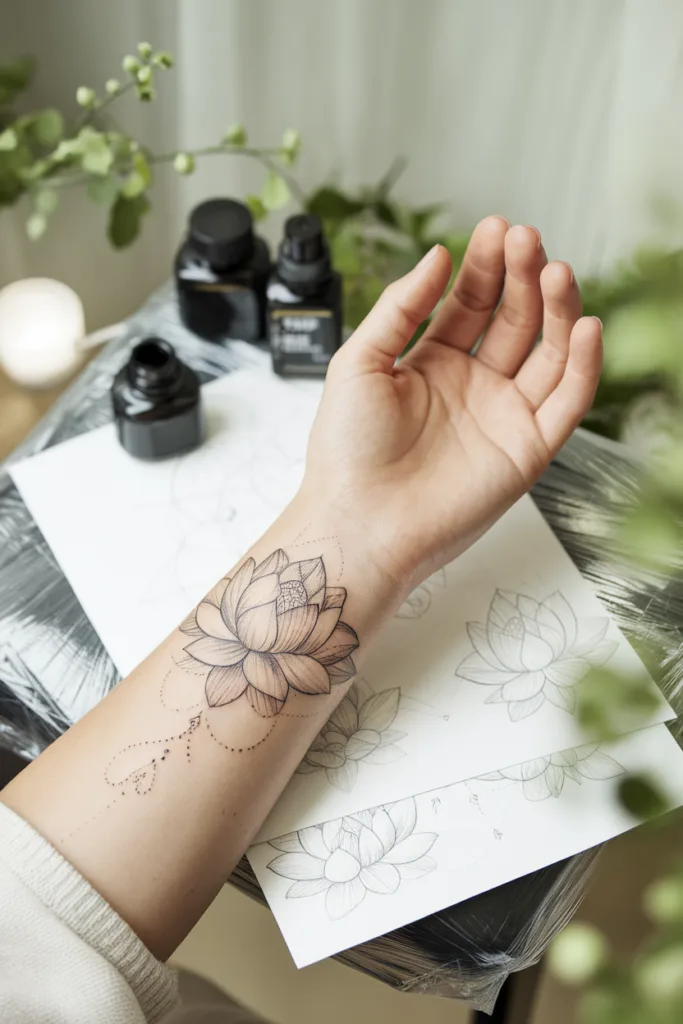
(455, 763)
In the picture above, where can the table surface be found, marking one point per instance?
(466, 950)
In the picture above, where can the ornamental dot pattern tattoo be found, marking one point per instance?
(270, 629)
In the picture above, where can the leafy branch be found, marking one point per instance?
(39, 156)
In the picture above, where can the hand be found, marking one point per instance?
(424, 455)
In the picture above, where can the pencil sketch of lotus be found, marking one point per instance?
(358, 731)
(530, 652)
(371, 851)
(545, 776)
(419, 601)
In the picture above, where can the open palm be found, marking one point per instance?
(429, 452)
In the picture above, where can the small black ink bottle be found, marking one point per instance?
(157, 402)
(304, 301)
(221, 273)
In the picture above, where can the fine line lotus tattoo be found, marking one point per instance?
(530, 652)
(358, 731)
(369, 851)
(544, 777)
(272, 628)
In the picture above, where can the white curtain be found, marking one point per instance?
(566, 115)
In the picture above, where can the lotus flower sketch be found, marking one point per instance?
(371, 851)
(272, 628)
(530, 651)
(545, 776)
(419, 601)
(357, 731)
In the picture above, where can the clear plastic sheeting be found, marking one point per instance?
(53, 667)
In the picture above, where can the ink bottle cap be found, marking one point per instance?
(303, 261)
(221, 273)
(222, 231)
(157, 402)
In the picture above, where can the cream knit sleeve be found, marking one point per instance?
(65, 956)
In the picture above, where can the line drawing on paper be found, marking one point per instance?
(368, 852)
(419, 601)
(218, 499)
(359, 730)
(544, 777)
(530, 652)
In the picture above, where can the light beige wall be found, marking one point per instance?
(566, 115)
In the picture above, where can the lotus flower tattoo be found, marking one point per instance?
(545, 776)
(358, 730)
(272, 628)
(530, 651)
(370, 851)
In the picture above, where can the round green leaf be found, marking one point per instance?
(49, 127)
(236, 135)
(642, 798)
(36, 226)
(577, 954)
(184, 163)
(8, 140)
(124, 220)
(46, 201)
(85, 97)
(663, 900)
(275, 192)
(163, 59)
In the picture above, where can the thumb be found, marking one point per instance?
(403, 305)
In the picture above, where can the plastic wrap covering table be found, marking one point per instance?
(53, 667)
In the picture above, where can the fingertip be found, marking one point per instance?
(494, 225)
(586, 344)
(557, 277)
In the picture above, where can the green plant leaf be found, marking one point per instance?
(48, 127)
(611, 704)
(275, 192)
(124, 220)
(97, 156)
(14, 78)
(642, 797)
(36, 226)
(331, 204)
(255, 205)
(236, 135)
(46, 201)
(103, 190)
(8, 140)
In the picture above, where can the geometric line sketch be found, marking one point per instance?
(545, 776)
(357, 731)
(369, 851)
(419, 601)
(530, 652)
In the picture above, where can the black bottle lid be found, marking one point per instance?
(222, 231)
(156, 400)
(303, 260)
(153, 366)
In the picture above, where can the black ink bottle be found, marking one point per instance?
(157, 402)
(221, 273)
(304, 301)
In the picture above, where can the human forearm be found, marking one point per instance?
(157, 792)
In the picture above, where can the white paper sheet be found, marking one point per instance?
(141, 543)
(346, 882)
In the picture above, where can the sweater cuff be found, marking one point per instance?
(60, 887)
